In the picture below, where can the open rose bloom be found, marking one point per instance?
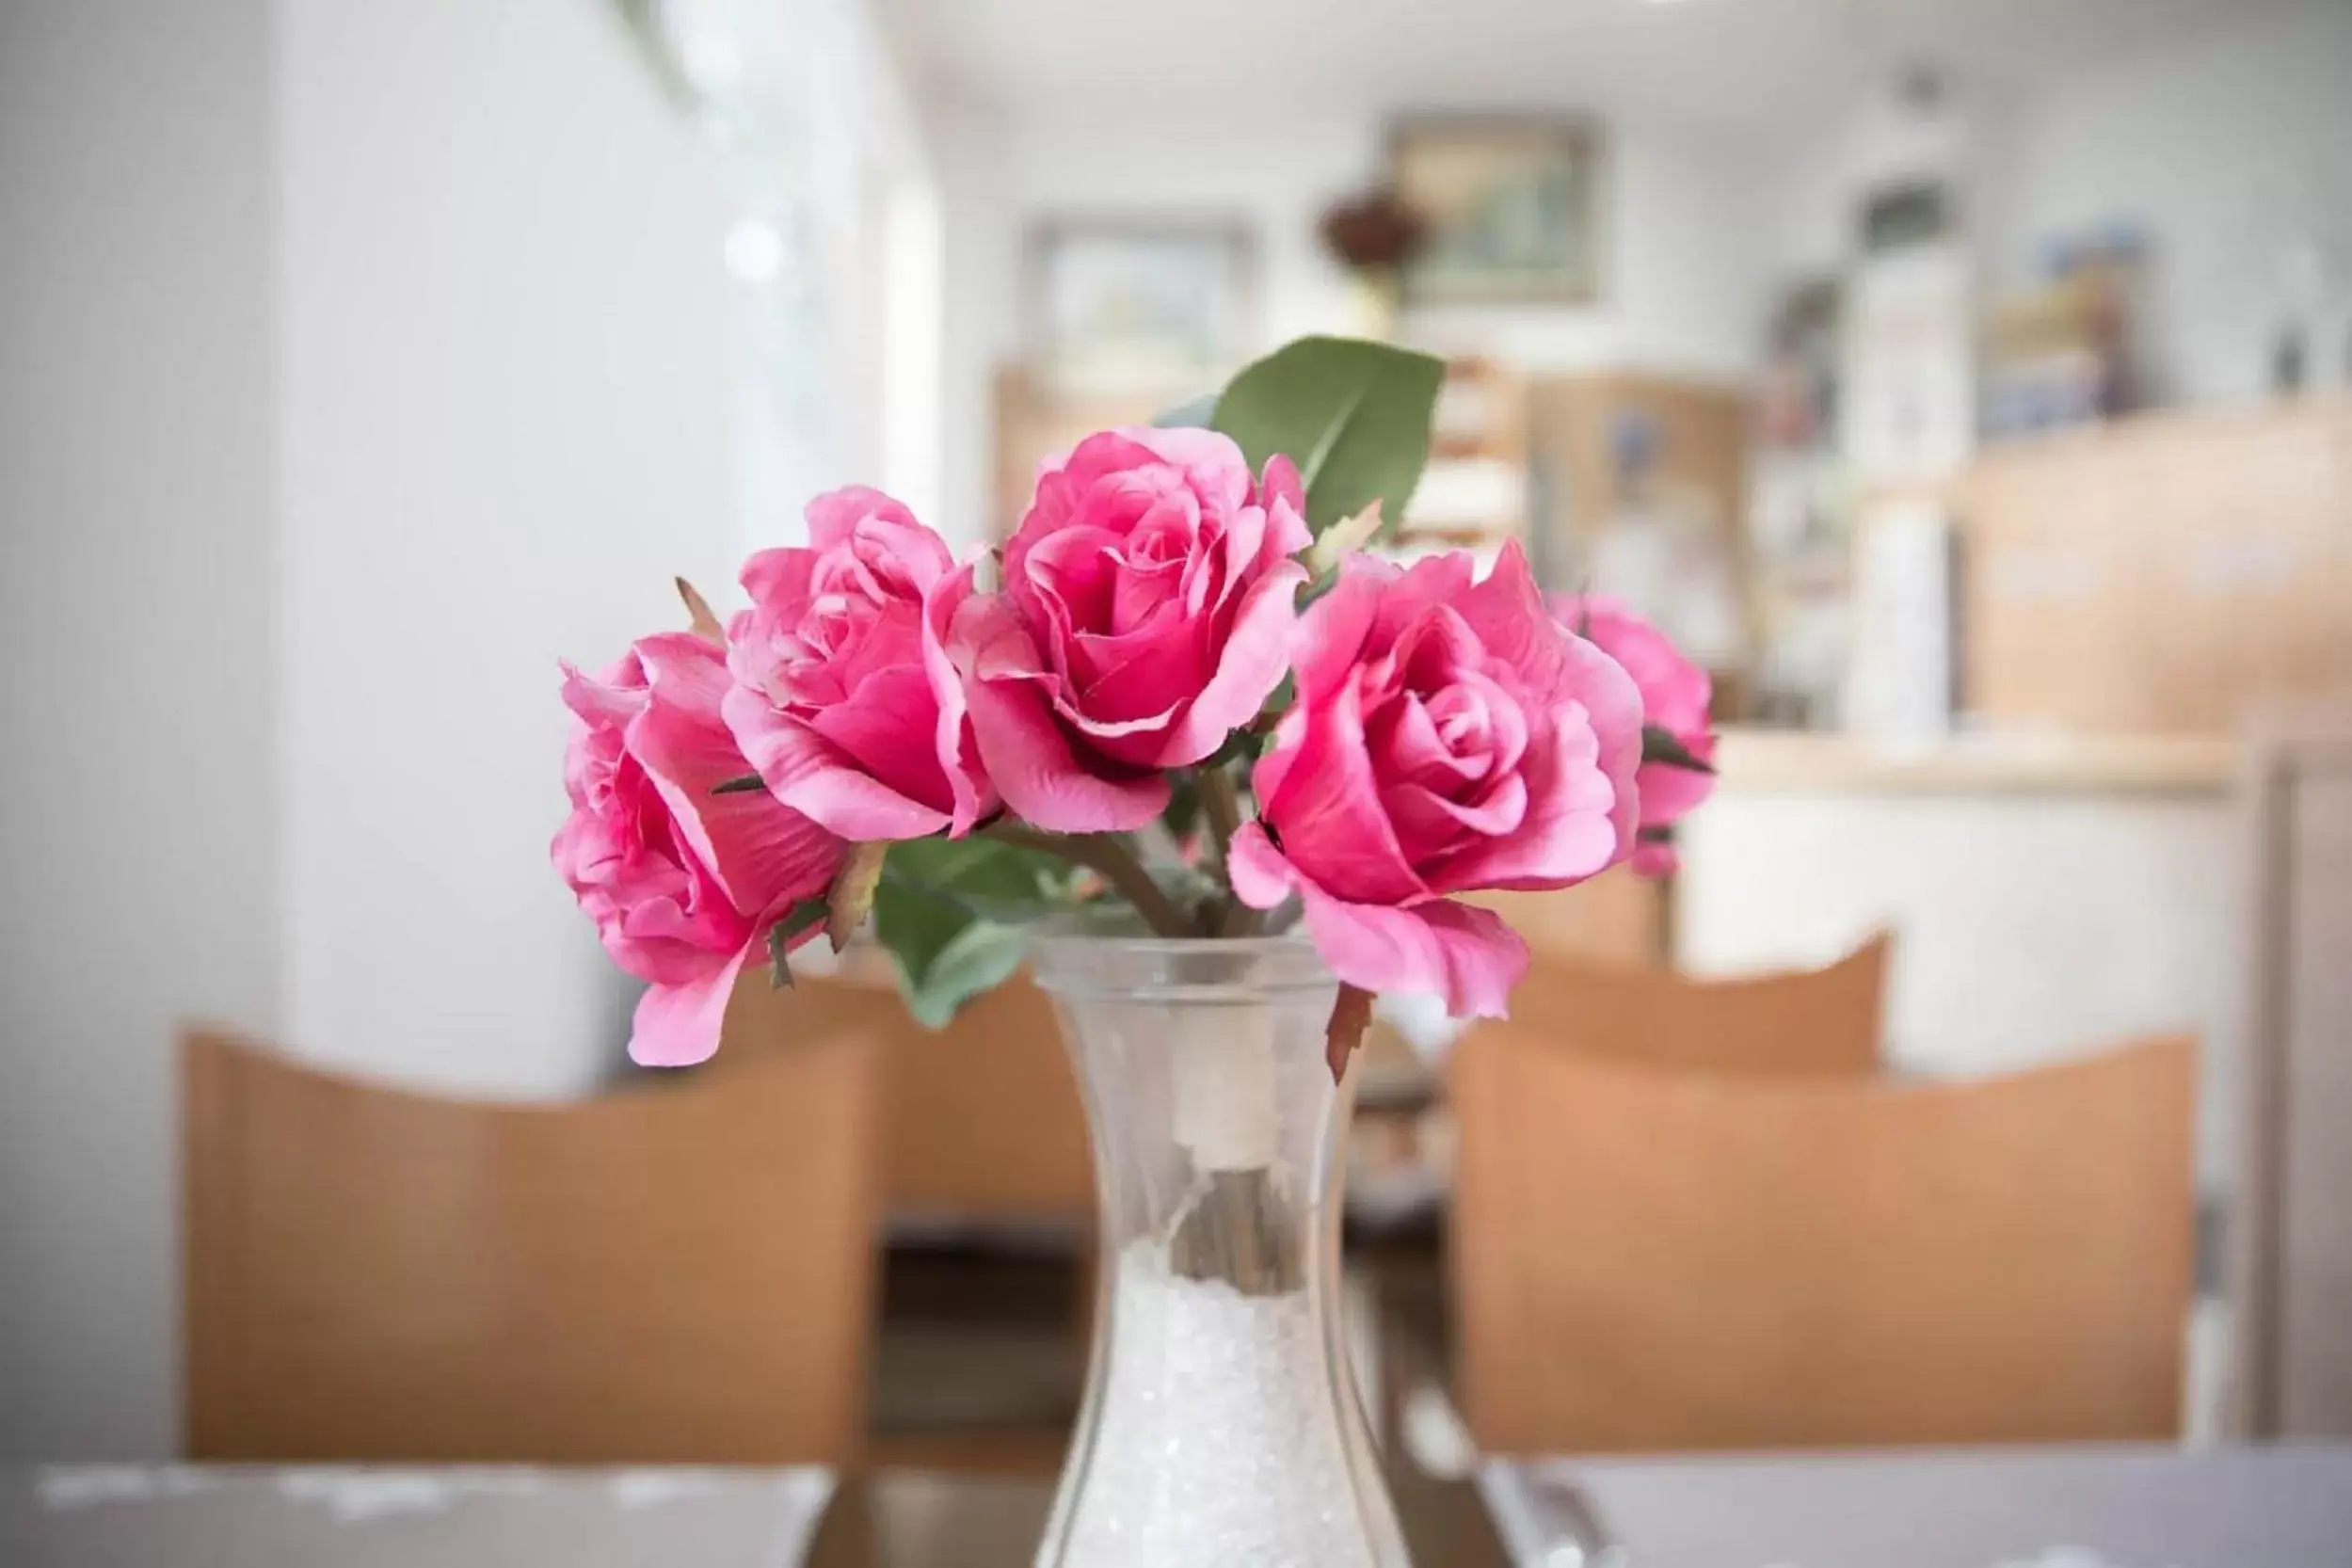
(1160, 660)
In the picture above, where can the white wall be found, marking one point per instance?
(136, 561)
(1686, 283)
(2228, 147)
(504, 330)
(361, 358)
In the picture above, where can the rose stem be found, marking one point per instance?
(1103, 852)
(1231, 917)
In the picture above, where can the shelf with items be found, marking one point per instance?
(1643, 481)
(1474, 491)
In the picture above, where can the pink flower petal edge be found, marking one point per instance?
(1467, 956)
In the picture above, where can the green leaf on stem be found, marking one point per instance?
(945, 953)
(1659, 744)
(799, 918)
(991, 879)
(1354, 416)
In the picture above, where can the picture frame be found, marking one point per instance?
(1118, 303)
(1513, 204)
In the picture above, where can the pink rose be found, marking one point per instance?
(844, 700)
(1675, 696)
(1148, 601)
(682, 884)
(1448, 737)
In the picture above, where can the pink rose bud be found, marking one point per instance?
(1448, 737)
(683, 882)
(844, 700)
(1675, 697)
(1148, 601)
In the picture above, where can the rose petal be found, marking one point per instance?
(888, 729)
(1256, 656)
(776, 578)
(1212, 461)
(1571, 829)
(1284, 500)
(1326, 800)
(959, 752)
(678, 1024)
(1419, 812)
(1670, 793)
(1331, 635)
(1261, 878)
(807, 771)
(1468, 957)
(1023, 747)
(1652, 858)
(613, 697)
(762, 853)
(879, 531)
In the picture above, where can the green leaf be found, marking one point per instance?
(748, 784)
(1354, 416)
(799, 918)
(1194, 415)
(997, 881)
(945, 953)
(1659, 745)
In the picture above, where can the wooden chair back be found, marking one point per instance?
(1801, 1021)
(682, 1271)
(981, 1119)
(1652, 1261)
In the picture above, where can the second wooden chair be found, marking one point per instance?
(1798, 1022)
(1656, 1260)
(679, 1273)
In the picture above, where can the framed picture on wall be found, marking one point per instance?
(1120, 304)
(1512, 203)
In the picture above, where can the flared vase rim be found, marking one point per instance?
(1076, 956)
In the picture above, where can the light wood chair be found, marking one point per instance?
(1647, 1259)
(982, 1120)
(682, 1272)
(983, 1138)
(1800, 1021)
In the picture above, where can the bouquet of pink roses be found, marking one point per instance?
(1184, 689)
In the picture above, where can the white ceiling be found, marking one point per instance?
(1749, 67)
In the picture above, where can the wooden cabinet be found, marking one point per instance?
(2161, 575)
(1702, 435)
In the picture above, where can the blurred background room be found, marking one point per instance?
(1967, 383)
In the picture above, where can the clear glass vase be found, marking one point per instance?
(1222, 1422)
